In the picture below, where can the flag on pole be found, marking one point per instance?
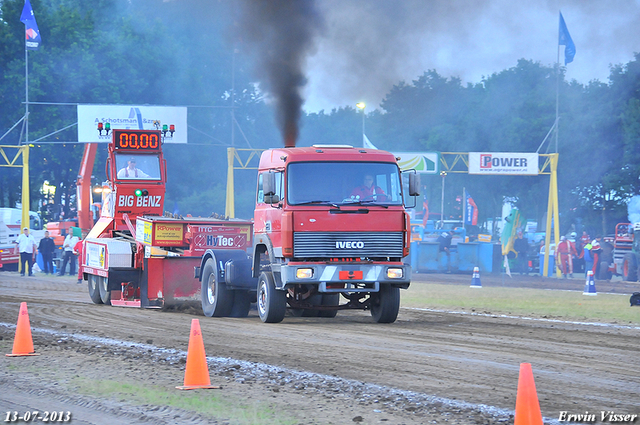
(366, 143)
(564, 39)
(470, 210)
(32, 32)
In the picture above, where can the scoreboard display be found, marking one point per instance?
(137, 140)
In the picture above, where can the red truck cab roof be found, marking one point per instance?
(278, 157)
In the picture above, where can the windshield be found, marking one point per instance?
(138, 166)
(343, 183)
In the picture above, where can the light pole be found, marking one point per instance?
(443, 174)
(361, 106)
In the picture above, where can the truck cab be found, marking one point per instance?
(330, 222)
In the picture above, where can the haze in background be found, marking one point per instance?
(369, 46)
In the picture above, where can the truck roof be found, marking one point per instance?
(276, 157)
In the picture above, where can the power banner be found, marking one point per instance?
(128, 117)
(504, 163)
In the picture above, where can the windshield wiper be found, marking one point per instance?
(367, 201)
(319, 202)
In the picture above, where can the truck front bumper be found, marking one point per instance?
(345, 277)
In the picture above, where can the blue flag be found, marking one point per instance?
(32, 32)
(564, 39)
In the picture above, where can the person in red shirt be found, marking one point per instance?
(77, 250)
(584, 239)
(368, 191)
(566, 251)
(596, 250)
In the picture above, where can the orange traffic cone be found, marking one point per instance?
(527, 405)
(196, 374)
(23, 343)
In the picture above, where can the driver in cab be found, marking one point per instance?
(368, 191)
(131, 172)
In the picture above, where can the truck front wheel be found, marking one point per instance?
(217, 300)
(94, 290)
(272, 304)
(385, 304)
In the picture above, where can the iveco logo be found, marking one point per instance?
(349, 245)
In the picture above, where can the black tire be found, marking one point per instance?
(241, 303)
(217, 300)
(604, 273)
(385, 304)
(630, 268)
(94, 289)
(105, 293)
(272, 304)
(332, 300)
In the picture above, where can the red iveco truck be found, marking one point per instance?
(329, 225)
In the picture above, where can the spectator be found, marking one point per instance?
(445, 246)
(521, 246)
(588, 260)
(565, 253)
(584, 239)
(596, 251)
(69, 242)
(77, 250)
(46, 248)
(27, 247)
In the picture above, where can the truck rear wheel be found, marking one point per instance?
(94, 290)
(385, 304)
(272, 304)
(105, 293)
(630, 268)
(217, 300)
(332, 300)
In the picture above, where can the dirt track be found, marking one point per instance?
(428, 366)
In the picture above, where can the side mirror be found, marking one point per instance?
(269, 184)
(414, 184)
(271, 199)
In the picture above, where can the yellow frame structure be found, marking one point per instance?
(458, 162)
(234, 155)
(10, 155)
(8, 161)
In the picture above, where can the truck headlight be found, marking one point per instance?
(304, 273)
(394, 273)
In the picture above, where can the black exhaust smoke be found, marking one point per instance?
(282, 32)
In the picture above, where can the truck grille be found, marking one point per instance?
(347, 244)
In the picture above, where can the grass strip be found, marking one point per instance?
(565, 305)
(205, 402)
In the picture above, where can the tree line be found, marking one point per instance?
(154, 52)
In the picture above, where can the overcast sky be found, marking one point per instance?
(368, 46)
